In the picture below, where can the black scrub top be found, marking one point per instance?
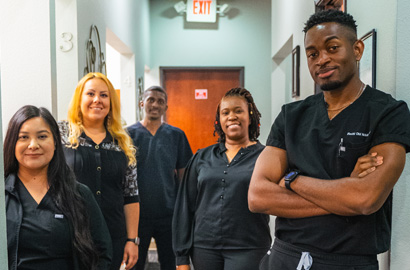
(158, 156)
(44, 238)
(211, 209)
(329, 149)
(104, 169)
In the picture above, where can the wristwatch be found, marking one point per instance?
(290, 177)
(135, 240)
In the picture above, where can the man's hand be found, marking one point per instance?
(130, 255)
(366, 164)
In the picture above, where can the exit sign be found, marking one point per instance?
(201, 11)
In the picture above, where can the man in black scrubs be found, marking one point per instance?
(327, 216)
(163, 152)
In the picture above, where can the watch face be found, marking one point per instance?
(290, 175)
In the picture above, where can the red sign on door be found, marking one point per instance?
(201, 93)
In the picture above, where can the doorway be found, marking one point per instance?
(120, 64)
(193, 96)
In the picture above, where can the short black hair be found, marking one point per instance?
(155, 88)
(254, 114)
(331, 15)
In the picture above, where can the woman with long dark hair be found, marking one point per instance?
(51, 221)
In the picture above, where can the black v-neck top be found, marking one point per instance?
(44, 239)
(329, 149)
(158, 156)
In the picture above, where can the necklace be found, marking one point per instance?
(344, 106)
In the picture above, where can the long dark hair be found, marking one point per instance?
(254, 114)
(63, 186)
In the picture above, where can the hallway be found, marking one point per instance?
(43, 53)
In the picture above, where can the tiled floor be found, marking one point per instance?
(152, 260)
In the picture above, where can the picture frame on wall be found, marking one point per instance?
(140, 93)
(296, 71)
(367, 65)
(330, 4)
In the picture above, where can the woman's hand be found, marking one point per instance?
(130, 255)
(366, 164)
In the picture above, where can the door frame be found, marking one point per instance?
(163, 69)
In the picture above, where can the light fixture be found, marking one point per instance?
(180, 7)
(223, 9)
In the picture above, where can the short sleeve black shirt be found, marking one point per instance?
(158, 156)
(329, 149)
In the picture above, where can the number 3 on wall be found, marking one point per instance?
(65, 42)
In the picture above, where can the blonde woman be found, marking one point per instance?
(103, 157)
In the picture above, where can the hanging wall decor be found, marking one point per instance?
(140, 94)
(296, 71)
(367, 65)
(95, 60)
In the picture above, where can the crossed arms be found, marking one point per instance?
(363, 193)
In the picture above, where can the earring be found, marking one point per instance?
(216, 122)
(251, 112)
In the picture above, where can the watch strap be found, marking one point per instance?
(134, 240)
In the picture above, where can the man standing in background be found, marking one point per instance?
(162, 154)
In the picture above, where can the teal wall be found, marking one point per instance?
(240, 39)
(129, 20)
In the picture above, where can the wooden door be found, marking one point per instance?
(195, 116)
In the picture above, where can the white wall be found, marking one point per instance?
(288, 19)
(113, 57)
(3, 239)
(28, 73)
(401, 201)
(365, 12)
(67, 61)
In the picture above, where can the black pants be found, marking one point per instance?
(227, 259)
(284, 256)
(161, 231)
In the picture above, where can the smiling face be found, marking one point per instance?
(35, 145)
(95, 101)
(332, 54)
(234, 118)
(154, 105)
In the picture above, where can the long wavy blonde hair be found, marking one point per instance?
(112, 122)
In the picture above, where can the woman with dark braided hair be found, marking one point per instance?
(53, 222)
(212, 224)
